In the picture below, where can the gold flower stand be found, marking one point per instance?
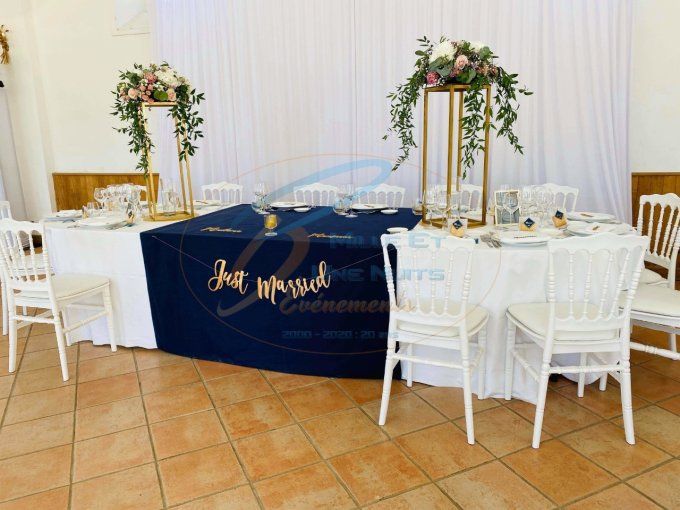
(187, 206)
(451, 182)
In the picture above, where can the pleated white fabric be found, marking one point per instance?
(295, 89)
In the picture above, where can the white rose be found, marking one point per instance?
(443, 50)
(476, 46)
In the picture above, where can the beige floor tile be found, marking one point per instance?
(238, 387)
(316, 400)
(101, 391)
(160, 378)
(215, 369)
(40, 342)
(659, 427)
(152, 358)
(253, 416)
(493, 486)
(429, 497)
(285, 382)
(110, 417)
(6, 385)
(35, 472)
(603, 403)
(3, 404)
(653, 386)
(617, 497)
(405, 414)
(38, 328)
(664, 366)
(21, 345)
(559, 472)
(40, 404)
(661, 484)
(43, 379)
(376, 472)
(40, 434)
(275, 452)
(561, 414)
(200, 473)
(342, 432)
(310, 487)
(672, 404)
(363, 391)
(501, 431)
(187, 433)
(113, 452)
(55, 499)
(4, 364)
(175, 402)
(47, 358)
(449, 401)
(131, 489)
(100, 368)
(442, 450)
(90, 351)
(241, 498)
(605, 445)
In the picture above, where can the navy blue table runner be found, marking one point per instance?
(311, 300)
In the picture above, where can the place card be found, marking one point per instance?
(458, 227)
(559, 219)
(528, 224)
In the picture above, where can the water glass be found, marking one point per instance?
(339, 207)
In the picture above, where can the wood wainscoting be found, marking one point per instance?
(650, 183)
(74, 190)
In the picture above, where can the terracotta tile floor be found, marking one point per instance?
(147, 429)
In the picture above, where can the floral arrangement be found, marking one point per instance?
(470, 63)
(4, 45)
(150, 84)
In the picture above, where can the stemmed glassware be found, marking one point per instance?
(510, 203)
(271, 221)
(346, 193)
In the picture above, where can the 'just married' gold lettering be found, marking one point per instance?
(267, 289)
(223, 277)
(220, 229)
(329, 236)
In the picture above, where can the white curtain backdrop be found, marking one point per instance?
(295, 89)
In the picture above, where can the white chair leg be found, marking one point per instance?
(64, 319)
(24, 310)
(627, 403)
(387, 387)
(61, 345)
(467, 399)
(509, 359)
(5, 310)
(106, 296)
(409, 366)
(540, 404)
(582, 376)
(603, 382)
(672, 343)
(481, 368)
(12, 344)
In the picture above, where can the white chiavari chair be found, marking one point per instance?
(383, 193)
(565, 196)
(26, 286)
(586, 320)
(435, 273)
(471, 197)
(316, 194)
(225, 192)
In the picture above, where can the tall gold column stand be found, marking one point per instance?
(452, 90)
(187, 205)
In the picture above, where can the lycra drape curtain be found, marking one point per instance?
(295, 89)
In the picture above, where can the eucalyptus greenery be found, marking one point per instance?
(466, 63)
(150, 84)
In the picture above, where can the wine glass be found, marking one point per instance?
(339, 207)
(510, 204)
(417, 206)
(348, 190)
(99, 197)
(258, 205)
(271, 221)
(261, 189)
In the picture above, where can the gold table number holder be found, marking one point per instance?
(453, 89)
(187, 206)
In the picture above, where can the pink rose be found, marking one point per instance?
(432, 77)
(150, 77)
(172, 96)
(133, 93)
(145, 97)
(461, 62)
(142, 88)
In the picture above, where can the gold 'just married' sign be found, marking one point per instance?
(267, 288)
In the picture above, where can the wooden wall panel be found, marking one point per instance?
(74, 190)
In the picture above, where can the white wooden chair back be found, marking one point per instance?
(316, 194)
(23, 268)
(225, 192)
(663, 218)
(212, 191)
(471, 197)
(393, 196)
(435, 272)
(586, 278)
(565, 196)
(5, 210)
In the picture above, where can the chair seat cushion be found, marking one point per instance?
(649, 277)
(534, 316)
(67, 285)
(655, 299)
(475, 316)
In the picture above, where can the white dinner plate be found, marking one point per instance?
(590, 216)
(287, 206)
(101, 222)
(582, 228)
(397, 230)
(199, 204)
(520, 238)
(369, 207)
(390, 211)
